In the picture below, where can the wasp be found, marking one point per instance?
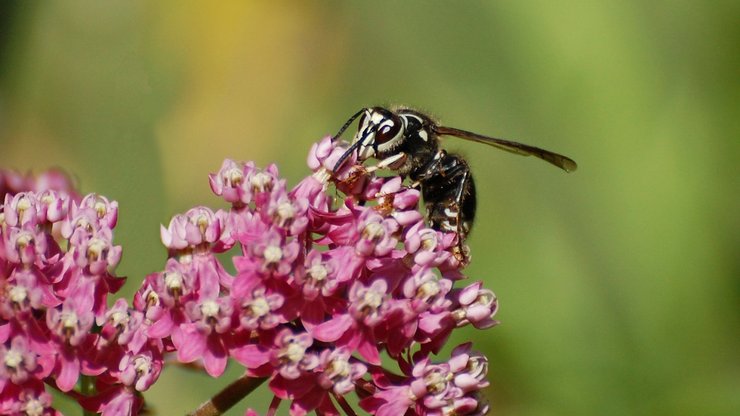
(407, 142)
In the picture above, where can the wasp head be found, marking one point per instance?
(380, 133)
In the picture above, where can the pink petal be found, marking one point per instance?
(332, 329)
(162, 328)
(251, 356)
(69, 372)
(190, 345)
(215, 357)
(369, 350)
(468, 295)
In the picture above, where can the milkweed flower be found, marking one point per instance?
(57, 270)
(329, 277)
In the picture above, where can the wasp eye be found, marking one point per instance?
(387, 132)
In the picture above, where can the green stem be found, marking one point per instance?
(87, 388)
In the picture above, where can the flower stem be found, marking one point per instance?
(228, 397)
(273, 406)
(87, 387)
(345, 406)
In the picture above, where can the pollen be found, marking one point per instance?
(142, 365)
(372, 299)
(202, 222)
(84, 224)
(173, 281)
(339, 368)
(286, 211)
(23, 205)
(234, 177)
(33, 407)
(95, 249)
(373, 231)
(260, 181)
(100, 208)
(429, 241)
(18, 294)
(118, 318)
(152, 298)
(273, 254)
(69, 320)
(47, 199)
(435, 381)
(428, 289)
(294, 352)
(259, 307)
(318, 272)
(23, 240)
(13, 359)
(477, 366)
(485, 297)
(209, 308)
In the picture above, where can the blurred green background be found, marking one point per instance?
(618, 284)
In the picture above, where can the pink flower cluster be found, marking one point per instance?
(323, 286)
(56, 270)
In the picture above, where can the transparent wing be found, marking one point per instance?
(565, 163)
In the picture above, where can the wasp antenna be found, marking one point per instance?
(354, 146)
(346, 154)
(344, 127)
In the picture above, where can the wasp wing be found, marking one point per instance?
(565, 163)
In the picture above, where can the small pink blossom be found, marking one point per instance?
(477, 306)
(375, 235)
(340, 372)
(229, 182)
(105, 210)
(124, 325)
(197, 227)
(290, 356)
(257, 308)
(140, 370)
(17, 362)
(270, 254)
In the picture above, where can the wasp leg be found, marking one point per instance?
(449, 194)
(389, 161)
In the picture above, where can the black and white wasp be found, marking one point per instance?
(407, 142)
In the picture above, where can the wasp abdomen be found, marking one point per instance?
(449, 194)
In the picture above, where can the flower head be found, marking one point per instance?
(330, 276)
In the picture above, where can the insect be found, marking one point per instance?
(407, 141)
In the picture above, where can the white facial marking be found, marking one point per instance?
(422, 133)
